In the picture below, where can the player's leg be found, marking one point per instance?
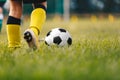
(1, 18)
(1, 14)
(38, 17)
(13, 23)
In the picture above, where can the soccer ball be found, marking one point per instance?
(59, 37)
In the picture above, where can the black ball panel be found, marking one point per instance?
(69, 41)
(48, 33)
(57, 40)
(46, 43)
(62, 30)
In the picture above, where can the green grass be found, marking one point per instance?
(94, 54)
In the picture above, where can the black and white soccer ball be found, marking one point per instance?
(59, 37)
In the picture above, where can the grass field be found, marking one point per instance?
(94, 54)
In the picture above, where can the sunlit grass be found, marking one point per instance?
(94, 54)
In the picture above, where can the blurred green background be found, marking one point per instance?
(80, 6)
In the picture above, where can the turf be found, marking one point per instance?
(94, 54)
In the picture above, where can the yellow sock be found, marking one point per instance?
(13, 33)
(38, 18)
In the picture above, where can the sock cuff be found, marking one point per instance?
(13, 20)
(40, 6)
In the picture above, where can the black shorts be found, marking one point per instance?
(1, 3)
(33, 1)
